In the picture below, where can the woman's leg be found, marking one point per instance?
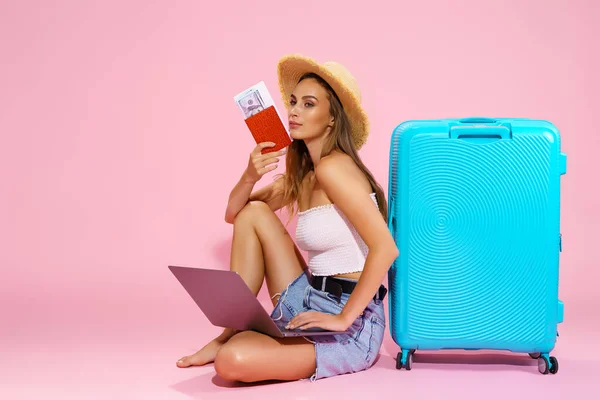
(261, 248)
(251, 357)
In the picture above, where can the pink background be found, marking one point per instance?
(121, 142)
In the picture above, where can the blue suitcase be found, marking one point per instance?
(474, 207)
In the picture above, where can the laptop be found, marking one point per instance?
(228, 302)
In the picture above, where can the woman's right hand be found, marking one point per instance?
(259, 164)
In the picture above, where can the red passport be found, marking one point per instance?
(266, 126)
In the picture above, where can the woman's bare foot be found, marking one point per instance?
(207, 354)
(203, 356)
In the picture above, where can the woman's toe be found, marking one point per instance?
(183, 362)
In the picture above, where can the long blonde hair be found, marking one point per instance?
(299, 163)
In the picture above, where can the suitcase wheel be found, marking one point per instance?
(535, 356)
(405, 359)
(399, 363)
(408, 364)
(554, 367)
(547, 364)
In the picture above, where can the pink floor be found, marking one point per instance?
(70, 348)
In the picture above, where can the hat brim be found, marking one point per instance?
(292, 67)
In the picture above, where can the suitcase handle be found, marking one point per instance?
(477, 120)
(480, 132)
(480, 129)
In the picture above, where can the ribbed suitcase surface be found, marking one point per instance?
(474, 208)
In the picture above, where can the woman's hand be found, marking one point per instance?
(315, 319)
(259, 164)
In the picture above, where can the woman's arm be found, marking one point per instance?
(339, 179)
(345, 190)
(272, 194)
(258, 165)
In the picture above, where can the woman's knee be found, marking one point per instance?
(252, 211)
(232, 362)
(227, 363)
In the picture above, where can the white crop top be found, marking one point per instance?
(333, 245)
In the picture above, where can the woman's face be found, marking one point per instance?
(308, 114)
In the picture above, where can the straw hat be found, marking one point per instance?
(291, 68)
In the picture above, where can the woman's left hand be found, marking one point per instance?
(315, 319)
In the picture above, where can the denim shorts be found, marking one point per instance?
(352, 351)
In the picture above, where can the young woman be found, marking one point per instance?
(342, 216)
